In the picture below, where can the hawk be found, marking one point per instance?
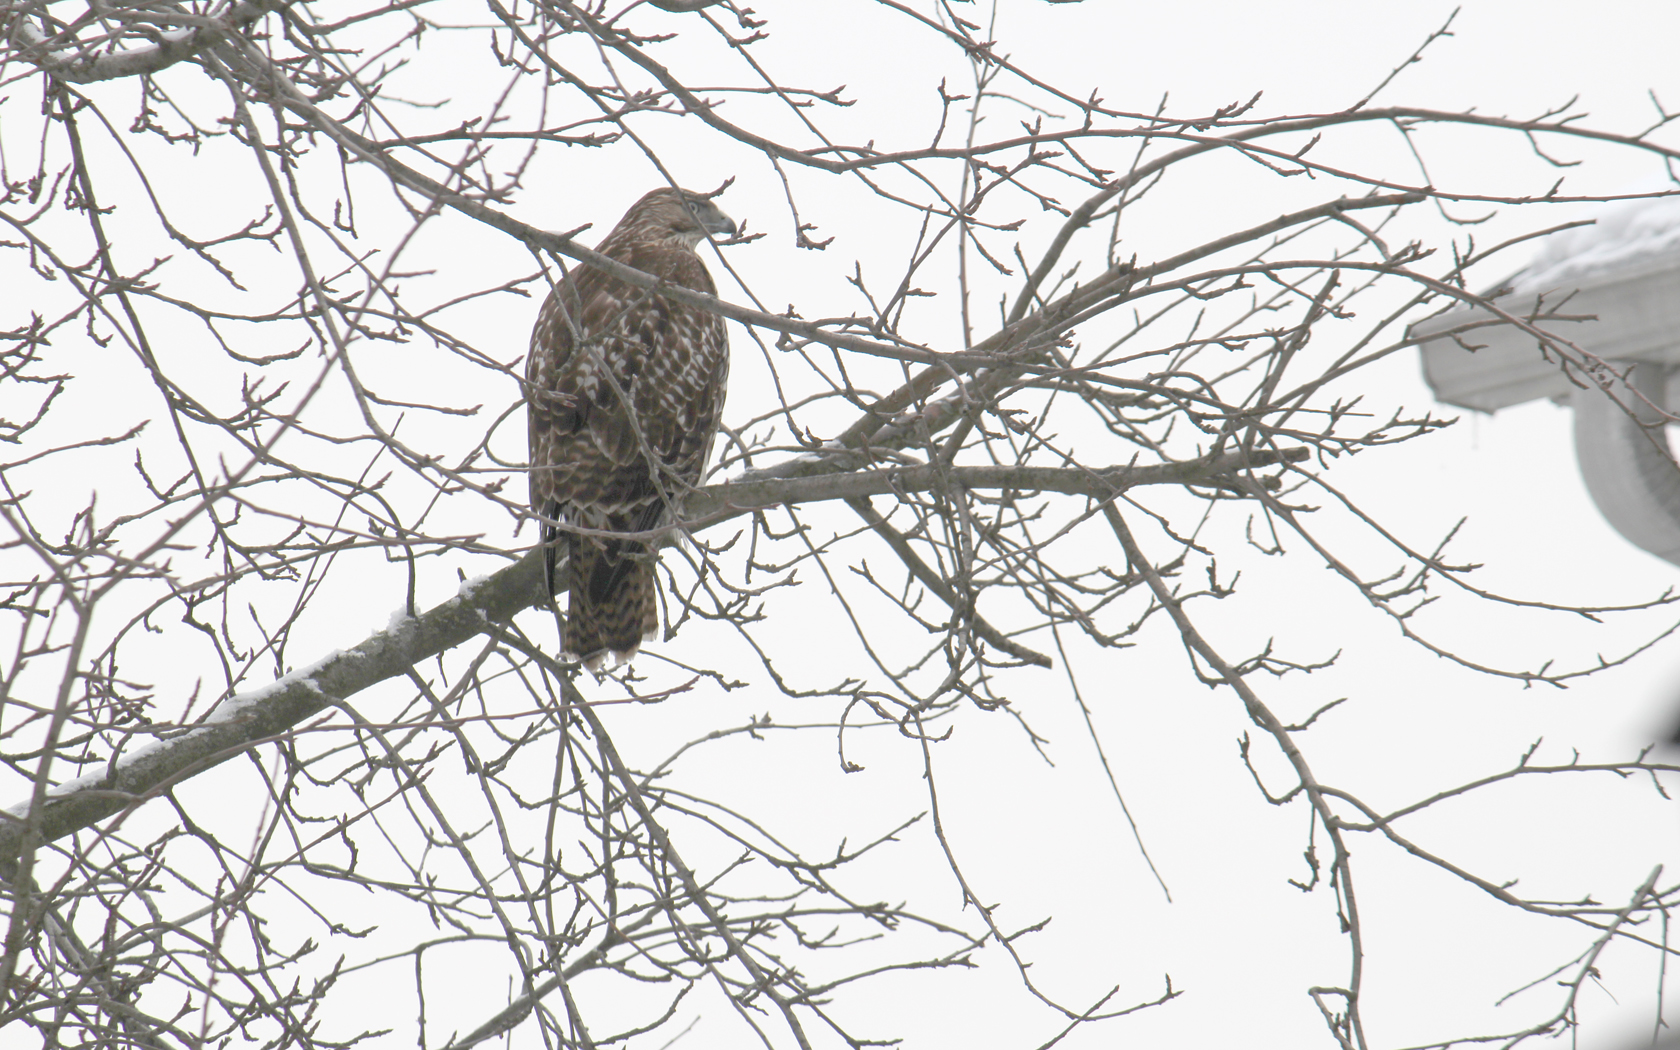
(623, 389)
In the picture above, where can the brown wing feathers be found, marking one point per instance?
(624, 392)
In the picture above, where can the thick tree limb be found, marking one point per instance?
(270, 712)
(780, 485)
(171, 47)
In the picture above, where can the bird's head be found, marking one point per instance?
(678, 215)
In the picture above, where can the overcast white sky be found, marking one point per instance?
(1233, 936)
(1050, 841)
(1241, 942)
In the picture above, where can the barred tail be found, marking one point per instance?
(614, 603)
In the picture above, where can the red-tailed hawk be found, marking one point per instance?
(624, 389)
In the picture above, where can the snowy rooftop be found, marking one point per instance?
(1626, 235)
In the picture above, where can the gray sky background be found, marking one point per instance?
(1242, 943)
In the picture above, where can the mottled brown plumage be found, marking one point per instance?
(624, 389)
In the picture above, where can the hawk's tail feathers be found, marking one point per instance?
(614, 603)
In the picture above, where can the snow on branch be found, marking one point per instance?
(79, 67)
(270, 712)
